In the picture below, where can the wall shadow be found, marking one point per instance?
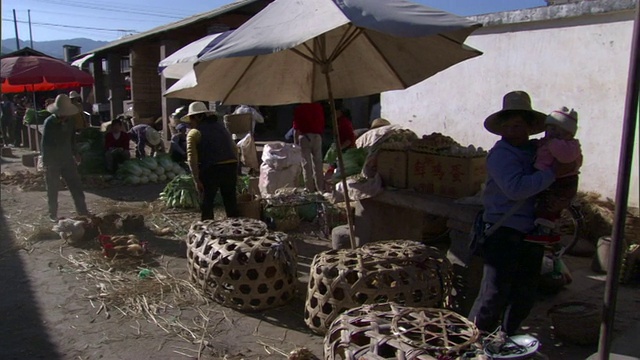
(22, 334)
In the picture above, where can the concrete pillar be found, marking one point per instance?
(145, 82)
(98, 85)
(116, 84)
(167, 48)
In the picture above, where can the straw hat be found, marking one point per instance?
(74, 95)
(153, 136)
(196, 107)
(62, 106)
(379, 122)
(516, 100)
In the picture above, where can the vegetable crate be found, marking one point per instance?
(240, 265)
(449, 176)
(392, 331)
(406, 272)
(392, 167)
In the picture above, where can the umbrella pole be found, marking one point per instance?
(336, 137)
(622, 195)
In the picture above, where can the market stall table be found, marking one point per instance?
(399, 214)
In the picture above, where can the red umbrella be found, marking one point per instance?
(39, 73)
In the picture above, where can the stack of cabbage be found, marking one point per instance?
(181, 193)
(149, 170)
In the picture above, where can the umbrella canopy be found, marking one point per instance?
(280, 55)
(297, 51)
(181, 62)
(38, 73)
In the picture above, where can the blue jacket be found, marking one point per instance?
(511, 178)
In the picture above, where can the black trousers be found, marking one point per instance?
(69, 172)
(223, 177)
(509, 281)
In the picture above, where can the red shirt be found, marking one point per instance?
(309, 118)
(346, 131)
(111, 142)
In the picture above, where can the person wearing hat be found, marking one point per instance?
(379, 122)
(559, 145)
(143, 135)
(512, 265)
(78, 119)
(116, 144)
(59, 155)
(178, 149)
(213, 159)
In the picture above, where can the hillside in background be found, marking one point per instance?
(54, 47)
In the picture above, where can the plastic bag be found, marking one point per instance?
(359, 188)
(248, 152)
(332, 155)
(280, 155)
(271, 179)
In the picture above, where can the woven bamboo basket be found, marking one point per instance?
(229, 228)
(391, 331)
(405, 272)
(243, 268)
(576, 322)
(238, 123)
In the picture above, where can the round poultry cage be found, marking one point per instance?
(245, 268)
(392, 331)
(404, 272)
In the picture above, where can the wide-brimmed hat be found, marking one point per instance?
(196, 107)
(74, 95)
(379, 122)
(153, 136)
(516, 100)
(564, 118)
(62, 106)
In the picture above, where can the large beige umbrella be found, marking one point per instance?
(298, 51)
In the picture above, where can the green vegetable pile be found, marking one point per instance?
(181, 193)
(353, 160)
(90, 146)
(149, 170)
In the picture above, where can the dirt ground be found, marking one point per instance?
(49, 308)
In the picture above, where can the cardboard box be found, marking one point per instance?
(392, 167)
(449, 176)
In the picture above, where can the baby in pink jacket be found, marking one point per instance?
(558, 145)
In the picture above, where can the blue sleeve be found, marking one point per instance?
(505, 169)
(175, 145)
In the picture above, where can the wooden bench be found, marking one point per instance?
(399, 214)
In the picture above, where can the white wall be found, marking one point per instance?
(581, 63)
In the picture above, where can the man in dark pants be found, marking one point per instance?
(213, 160)
(59, 156)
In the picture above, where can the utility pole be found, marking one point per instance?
(15, 25)
(30, 35)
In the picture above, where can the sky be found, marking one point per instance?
(110, 20)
